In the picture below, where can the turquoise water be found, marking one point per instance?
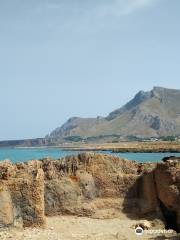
(25, 154)
(147, 157)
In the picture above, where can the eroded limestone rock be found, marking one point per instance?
(88, 184)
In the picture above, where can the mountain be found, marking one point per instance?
(149, 114)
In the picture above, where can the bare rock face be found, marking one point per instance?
(89, 184)
(6, 207)
(22, 195)
(79, 185)
(167, 178)
(7, 170)
(61, 197)
(147, 196)
(112, 177)
(73, 184)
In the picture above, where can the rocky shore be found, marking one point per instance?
(123, 147)
(95, 186)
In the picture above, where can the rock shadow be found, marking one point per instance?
(141, 198)
(145, 199)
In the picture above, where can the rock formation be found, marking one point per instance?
(89, 184)
(21, 195)
(149, 114)
(167, 178)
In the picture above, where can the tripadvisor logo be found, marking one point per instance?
(139, 231)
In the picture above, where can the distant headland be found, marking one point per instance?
(150, 116)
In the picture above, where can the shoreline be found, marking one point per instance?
(123, 147)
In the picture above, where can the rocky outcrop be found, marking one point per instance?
(89, 184)
(21, 195)
(80, 185)
(167, 178)
(6, 207)
(86, 183)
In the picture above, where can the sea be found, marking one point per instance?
(25, 154)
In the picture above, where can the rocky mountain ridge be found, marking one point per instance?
(153, 114)
(149, 114)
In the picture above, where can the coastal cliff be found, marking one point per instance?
(89, 184)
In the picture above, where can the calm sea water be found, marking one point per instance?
(25, 154)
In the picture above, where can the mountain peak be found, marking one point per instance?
(149, 114)
(140, 97)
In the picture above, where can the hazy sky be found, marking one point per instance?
(63, 58)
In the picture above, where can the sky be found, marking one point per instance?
(86, 58)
